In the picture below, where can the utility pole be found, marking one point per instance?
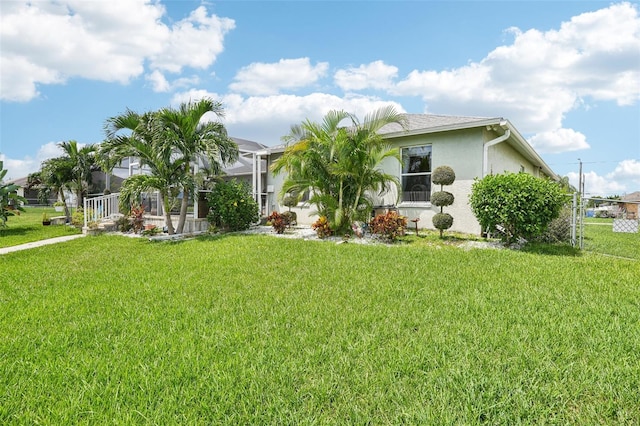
(580, 180)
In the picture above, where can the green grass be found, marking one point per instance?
(261, 330)
(27, 227)
(600, 238)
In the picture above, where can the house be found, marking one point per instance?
(629, 205)
(472, 146)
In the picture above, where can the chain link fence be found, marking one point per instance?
(610, 227)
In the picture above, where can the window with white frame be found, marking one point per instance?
(416, 173)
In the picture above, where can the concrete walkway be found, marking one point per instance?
(26, 246)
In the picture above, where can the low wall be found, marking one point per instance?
(190, 225)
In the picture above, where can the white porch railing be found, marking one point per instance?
(99, 208)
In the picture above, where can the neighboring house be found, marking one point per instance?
(31, 194)
(472, 146)
(629, 204)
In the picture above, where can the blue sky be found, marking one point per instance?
(565, 73)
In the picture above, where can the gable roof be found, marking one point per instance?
(634, 196)
(427, 123)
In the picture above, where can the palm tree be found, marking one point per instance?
(193, 138)
(339, 165)
(142, 139)
(83, 163)
(55, 175)
(10, 201)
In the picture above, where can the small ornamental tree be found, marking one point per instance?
(231, 206)
(443, 175)
(519, 205)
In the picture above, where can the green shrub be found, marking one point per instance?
(77, 218)
(231, 206)
(520, 205)
(390, 225)
(559, 229)
(124, 224)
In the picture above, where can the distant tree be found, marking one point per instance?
(55, 176)
(519, 205)
(10, 201)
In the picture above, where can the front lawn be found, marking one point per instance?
(27, 227)
(262, 330)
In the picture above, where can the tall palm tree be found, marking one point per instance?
(341, 166)
(192, 137)
(138, 135)
(83, 163)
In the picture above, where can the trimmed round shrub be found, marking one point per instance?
(442, 221)
(443, 175)
(442, 198)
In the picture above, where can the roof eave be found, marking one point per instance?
(445, 128)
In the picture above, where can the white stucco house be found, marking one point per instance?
(472, 146)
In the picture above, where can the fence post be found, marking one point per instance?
(574, 214)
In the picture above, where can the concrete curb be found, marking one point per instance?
(41, 243)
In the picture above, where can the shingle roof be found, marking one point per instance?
(431, 121)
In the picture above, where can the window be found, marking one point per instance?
(416, 174)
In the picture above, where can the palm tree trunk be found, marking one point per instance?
(67, 212)
(183, 211)
(167, 212)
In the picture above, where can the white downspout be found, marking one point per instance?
(499, 139)
(259, 181)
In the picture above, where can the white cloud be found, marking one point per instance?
(49, 42)
(542, 76)
(628, 170)
(559, 140)
(623, 179)
(159, 82)
(266, 119)
(269, 79)
(375, 75)
(19, 168)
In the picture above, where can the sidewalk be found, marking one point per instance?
(41, 243)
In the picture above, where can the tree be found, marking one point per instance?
(192, 137)
(10, 201)
(519, 205)
(55, 175)
(140, 135)
(82, 162)
(443, 175)
(339, 166)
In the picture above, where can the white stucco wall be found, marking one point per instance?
(462, 150)
(504, 158)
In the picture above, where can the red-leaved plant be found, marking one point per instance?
(390, 225)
